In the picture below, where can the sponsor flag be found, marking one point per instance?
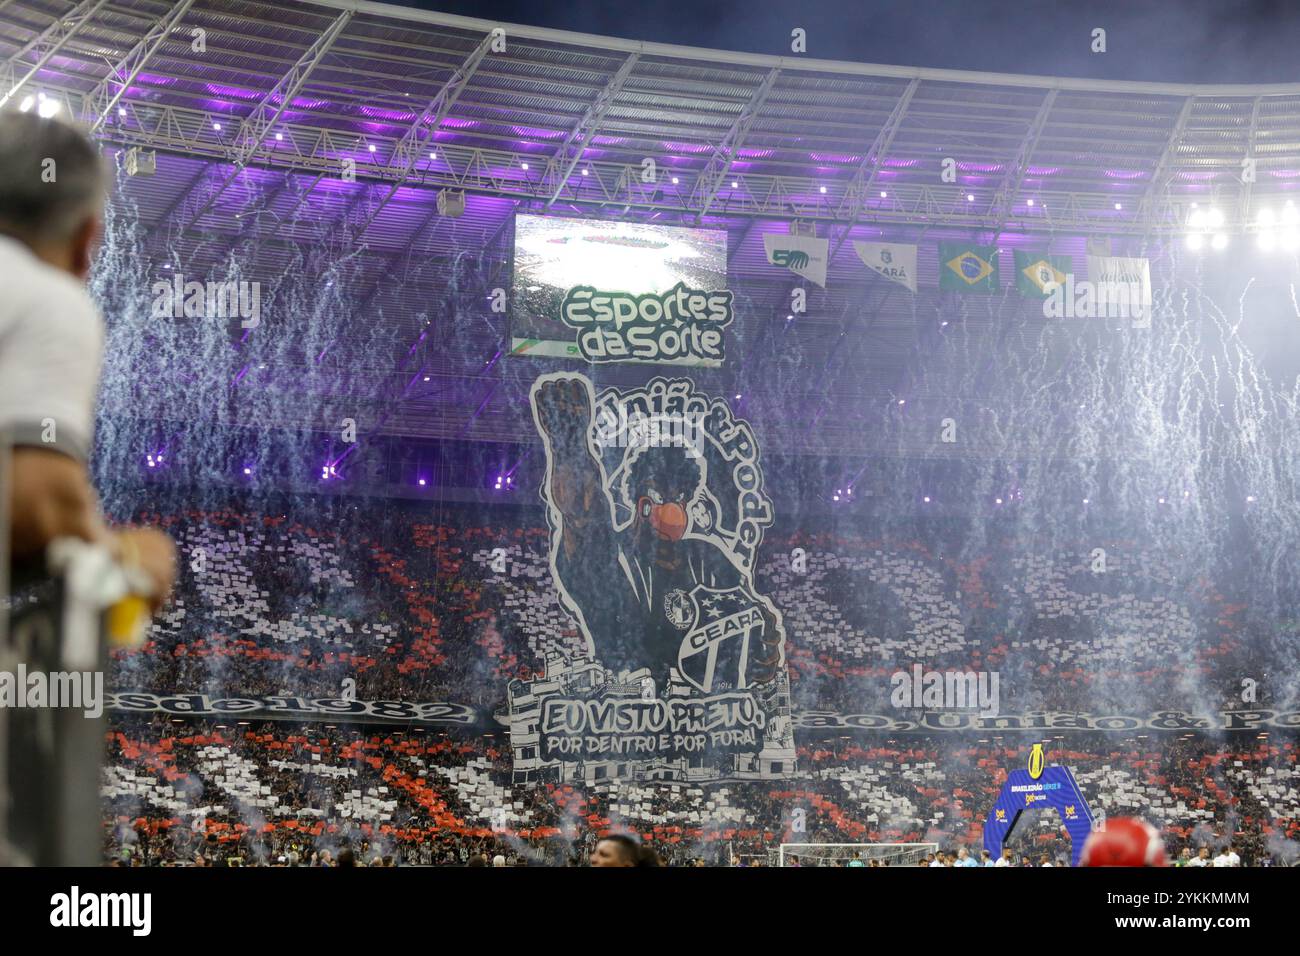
(803, 255)
(1122, 287)
(894, 261)
(1037, 273)
(966, 267)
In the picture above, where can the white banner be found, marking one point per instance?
(894, 261)
(1125, 281)
(803, 255)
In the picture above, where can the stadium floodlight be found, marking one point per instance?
(1204, 227)
(26, 104)
(1288, 236)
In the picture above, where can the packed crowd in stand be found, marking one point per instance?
(414, 610)
(177, 790)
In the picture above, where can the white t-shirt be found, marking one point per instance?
(51, 344)
(1197, 861)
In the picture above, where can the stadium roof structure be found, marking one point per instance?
(254, 134)
(745, 134)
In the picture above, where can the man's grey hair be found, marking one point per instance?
(52, 178)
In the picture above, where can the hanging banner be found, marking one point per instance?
(803, 255)
(966, 267)
(895, 261)
(1121, 288)
(655, 501)
(1037, 273)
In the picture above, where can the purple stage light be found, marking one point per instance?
(421, 482)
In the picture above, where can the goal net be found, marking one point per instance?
(842, 854)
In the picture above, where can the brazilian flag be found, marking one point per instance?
(965, 267)
(1037, 272)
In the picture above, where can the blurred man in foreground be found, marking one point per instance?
(52, 187)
